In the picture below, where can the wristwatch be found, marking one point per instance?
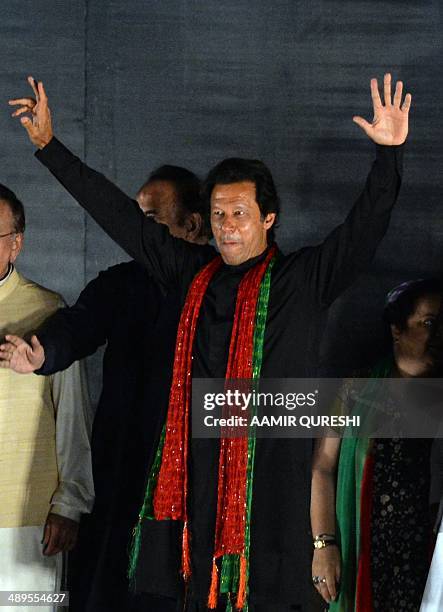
(323, 540)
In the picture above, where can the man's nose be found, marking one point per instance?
(228, 224)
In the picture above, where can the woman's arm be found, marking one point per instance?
(326, 561)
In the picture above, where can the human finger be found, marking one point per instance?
(20, 111)
(33, 84)
(42, 92)
(7, 347)
(407, 103)
(46, 534)
(398, 94)
(317, 582)
(55, 541)
(323, 589)
(14, 340)
(29, 126)
(330, 583)
(387, 89)
(365, 125)
(6, 354)
(375, 94)
(5, 362)
(22, 101)
(35, 343)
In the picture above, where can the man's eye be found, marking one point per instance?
(428, 322)
(239, 213)
(217, 213)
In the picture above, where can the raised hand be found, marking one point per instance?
(390, 123)
(39, 125)
(20, 356)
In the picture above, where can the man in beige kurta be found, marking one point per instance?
(45, 464)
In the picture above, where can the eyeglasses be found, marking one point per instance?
(8, 234)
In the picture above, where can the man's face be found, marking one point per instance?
(419, 344)
(238, 227)
(10, 244)
(158, 200)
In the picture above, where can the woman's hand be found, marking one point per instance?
(326, 568)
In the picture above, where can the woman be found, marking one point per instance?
(371, 538)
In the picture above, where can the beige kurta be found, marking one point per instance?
(28, 457)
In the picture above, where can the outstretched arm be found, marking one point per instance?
(333, 265)
(173, 262)
(76, 332)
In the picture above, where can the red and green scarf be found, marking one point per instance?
(167, 489)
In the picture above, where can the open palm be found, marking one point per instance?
(20, 356)
(390, 123)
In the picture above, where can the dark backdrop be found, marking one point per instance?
(134, 84)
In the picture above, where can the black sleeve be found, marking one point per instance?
(171, 261)
(76, 332)
(332, 266)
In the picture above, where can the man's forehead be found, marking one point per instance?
(5, 212)
(242, 192)
(158, 187)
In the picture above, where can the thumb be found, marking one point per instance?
(365, 125)
(29, 126)
(35, 343)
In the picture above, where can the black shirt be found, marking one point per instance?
(303, 285)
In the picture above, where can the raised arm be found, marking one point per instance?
(332, 266)
(173, 262)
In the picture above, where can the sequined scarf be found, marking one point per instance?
(167, 488)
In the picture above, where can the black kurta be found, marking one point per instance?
(303, 285)
(120, 305)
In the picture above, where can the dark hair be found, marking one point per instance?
(236, 170)
(402, 300)
(16, 208)
(188, 188)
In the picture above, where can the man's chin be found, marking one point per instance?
(232, 255)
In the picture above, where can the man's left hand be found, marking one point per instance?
(390, 123)
(59, 535)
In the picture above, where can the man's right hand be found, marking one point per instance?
(20, 356)
(39, 128)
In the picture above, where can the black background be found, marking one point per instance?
(136, 84)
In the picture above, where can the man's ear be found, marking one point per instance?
(269, 220)
(193, 225)
(396, 332)
(16, 247)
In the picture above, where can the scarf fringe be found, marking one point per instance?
(134, 552)
(213, 591)
(186, 553)
(242, 583)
